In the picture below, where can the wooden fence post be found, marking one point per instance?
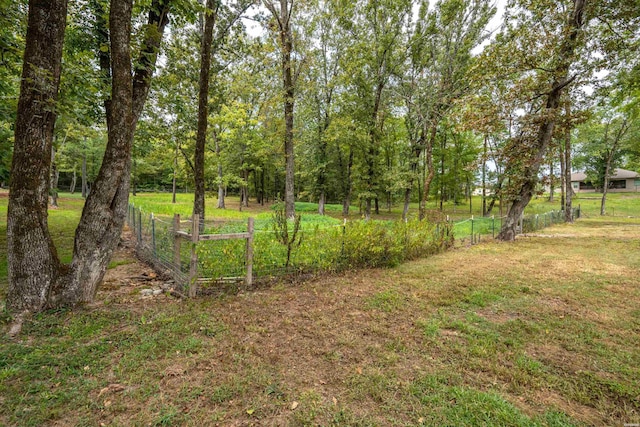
(139, 227)
(193, 268)
(176, 241)
(249, 252)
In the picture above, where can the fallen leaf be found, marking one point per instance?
(335, 401)
(294, 405)
(250, 411)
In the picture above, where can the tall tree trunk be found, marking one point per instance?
(469, 194)
(415, 158)
(407, 201)
(545, 131)
(562, 176)
(551, 181)
(568, 209)
(85, 186)
(283, 19)
(322, 174)
(174, 181)
(203, 108)
(220, 175)
(346, 201)
(286, 39)
(245, 187)
(262, 187)
(605, 187)
(49, 283)
(484, 177)
(31, 256)
(429, 172)
(72, 187)
(372, 151)
(613, 151)
(442, 148)
(321, 202)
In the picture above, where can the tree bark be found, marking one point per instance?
(545, 130)
(346, 201)
(551, 181)
(563, 185)
(372, 151)
(83, 172)
(322, 174)
(174, 186)
(45, 282)
(72, 187)
(203, 108)
(429, 168)
(283, 20)
(568, 193)
(31, 255)
(321, 202)
(612, 152)
(484, 177)
(220, 176)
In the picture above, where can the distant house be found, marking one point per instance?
(621, 181)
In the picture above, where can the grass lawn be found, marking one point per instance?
(544, 331)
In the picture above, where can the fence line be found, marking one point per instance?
(201, 256)
(471, 230)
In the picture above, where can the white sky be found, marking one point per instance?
(254, 29)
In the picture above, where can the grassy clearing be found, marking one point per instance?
(540, 332)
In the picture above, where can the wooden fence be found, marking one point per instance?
(194, 237)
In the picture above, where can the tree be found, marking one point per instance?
(210, 15)
(319, 92)
(542, 66)
(37, 279)
(371, 61)
(440, 72)
(221, 18)
(282, 24)
(13, 16)
(603, 144)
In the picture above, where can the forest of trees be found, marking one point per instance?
(368, 103)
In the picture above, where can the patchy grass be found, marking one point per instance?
(540, 332)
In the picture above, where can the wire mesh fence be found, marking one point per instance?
(214, 254)
(472, 230)
(219, 254)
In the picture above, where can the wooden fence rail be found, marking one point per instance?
(194, 237)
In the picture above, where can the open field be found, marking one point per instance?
(543, 331)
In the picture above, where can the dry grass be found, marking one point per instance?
(543, 331)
